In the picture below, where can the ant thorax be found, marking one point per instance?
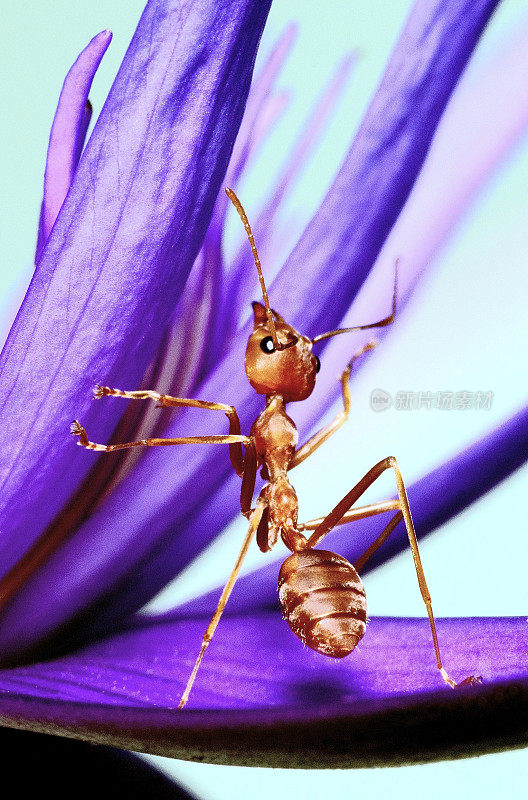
(275, 437)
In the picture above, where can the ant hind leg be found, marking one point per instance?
(341, 511)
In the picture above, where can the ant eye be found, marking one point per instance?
(317, 364)
(267, 345)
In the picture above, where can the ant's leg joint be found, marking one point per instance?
(450, 682)
(101, 391)
(471, 680)
(162, 400)
(365, 349)
(77, 430)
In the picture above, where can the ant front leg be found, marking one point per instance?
(78, 430)
(167, 401)
(245, 465)
(325, 433)
(342, 514)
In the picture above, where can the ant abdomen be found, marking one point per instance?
(323, 601)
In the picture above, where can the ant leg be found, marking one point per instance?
(167, 401)
(249, 477)
(384, 535)
(325, 433)
(337, 514)
(78, 430)
(353, 514)
(208, 635)
(362, 513)
(332, 519)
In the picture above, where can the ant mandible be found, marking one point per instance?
(321, 594)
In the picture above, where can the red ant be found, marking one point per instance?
(321, 594)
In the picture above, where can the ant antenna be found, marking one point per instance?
(242, 214)
(382, 323)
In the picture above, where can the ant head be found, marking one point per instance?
(278, 359)
(288, 369)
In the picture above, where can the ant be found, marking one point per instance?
(321, 594)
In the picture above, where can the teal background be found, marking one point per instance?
(466, 330)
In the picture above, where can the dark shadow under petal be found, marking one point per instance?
(261, 698)
(65, 768)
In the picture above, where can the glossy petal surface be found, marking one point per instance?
(384, 704)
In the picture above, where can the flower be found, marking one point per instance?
(119, 288)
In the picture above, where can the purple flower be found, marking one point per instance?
(86, 543)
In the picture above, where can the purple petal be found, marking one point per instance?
(122, 246)
(470, 145)
(151, 507)
(68, 133)
(475, 151)
(103, 771)
(250, 129)
(216, 321)
(261, 698)
(342, 241)
(199, 316)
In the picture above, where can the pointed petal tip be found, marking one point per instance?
(68, 133)
(350, 59)
(291, 31)
(102, 37)
(96, 47)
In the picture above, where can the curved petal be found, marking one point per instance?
(122, 245)
(182, 360)
(262, 699)
(68, 133)
(342, 241)
(374, 182)
(102, 771)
